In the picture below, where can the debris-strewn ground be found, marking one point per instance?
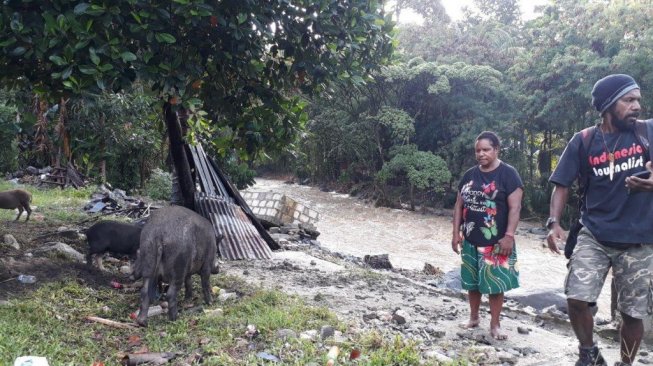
(407, 303)
(424, 307)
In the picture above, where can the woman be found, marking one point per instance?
(484, 222)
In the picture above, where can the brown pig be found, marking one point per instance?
(16, 198)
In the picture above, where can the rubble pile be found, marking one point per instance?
(294, 234)
(67, 176)
(116, 201)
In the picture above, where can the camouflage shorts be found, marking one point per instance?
(631, 268)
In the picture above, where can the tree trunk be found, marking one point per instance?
(412, 197)
(179, 157)
(103, 151)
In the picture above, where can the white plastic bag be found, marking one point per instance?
(31, 361)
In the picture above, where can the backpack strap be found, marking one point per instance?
(587, 136)
(644, 132)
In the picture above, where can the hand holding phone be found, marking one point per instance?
(644, 174)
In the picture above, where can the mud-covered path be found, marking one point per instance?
(351, 226)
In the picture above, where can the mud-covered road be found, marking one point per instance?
(349, 225)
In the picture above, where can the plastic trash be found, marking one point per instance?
(26, 279)
(151, 311)
(268, 357)
(31, 361)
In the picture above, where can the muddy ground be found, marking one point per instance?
(404, 301)
(45, 268)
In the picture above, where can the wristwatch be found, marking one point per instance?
(550, 221)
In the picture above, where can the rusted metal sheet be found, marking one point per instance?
(241, 239)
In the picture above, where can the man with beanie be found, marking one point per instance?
(617, 217)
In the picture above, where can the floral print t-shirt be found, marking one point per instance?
(485, 203)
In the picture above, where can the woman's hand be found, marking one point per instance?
(505, 245)
(456, 242)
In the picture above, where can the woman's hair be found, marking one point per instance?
(491, 136)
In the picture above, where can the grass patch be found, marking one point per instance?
(56, 206)
(49, 319)
(50, 322)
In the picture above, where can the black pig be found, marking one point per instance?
(113, 237)
(175, 244)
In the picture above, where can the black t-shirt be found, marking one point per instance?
(613, 215)
(485, 203)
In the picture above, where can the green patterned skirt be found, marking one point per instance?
(487, 272)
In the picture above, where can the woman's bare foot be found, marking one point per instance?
(497, 333)
(473, 323)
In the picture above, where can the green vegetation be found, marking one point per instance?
(49, 319)
(53, 206)
(331, 92)
(159, 186)
(233, 69)
(529, 81)
(51, 322)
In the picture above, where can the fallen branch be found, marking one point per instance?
(111, 323)
(154, 358)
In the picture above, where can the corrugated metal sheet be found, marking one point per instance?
(209, 179)
(246, 230)
(241, 239)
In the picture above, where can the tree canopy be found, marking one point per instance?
(236, 66)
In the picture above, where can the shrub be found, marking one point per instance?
(159, 186)
(9, 128)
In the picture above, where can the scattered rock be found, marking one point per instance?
(308, 334)
(608, 332)
(285, 334)
(326, 332)
(437, 356)
(224, 295)
(10, 241)
(64, 249)
(380, 261)
(126, 269)
(508, 357)
(400, 317)
(430, 269)
(523, 330)
(539, 231)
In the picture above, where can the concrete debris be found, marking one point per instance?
(277, 209)
(107, 200)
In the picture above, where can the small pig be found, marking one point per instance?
(113, 237)
(175, 244)
(16, 198)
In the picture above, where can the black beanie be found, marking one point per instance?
(609, 89)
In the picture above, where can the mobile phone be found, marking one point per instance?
(644, 174)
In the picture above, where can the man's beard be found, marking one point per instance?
(623, 124)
